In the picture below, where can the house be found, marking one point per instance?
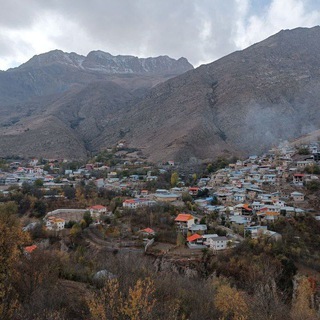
(217, 243)
(239, 197)
(137, 203)
(270, 178)
(195, 238)
(269, 215)
(97, 210)
(195, 242)
(30, 249)
(193, 191)
(303, 164)
(165, 196)
(224, 197)
(184, 221)
(198, 228)
(147, 232)
(298, 179)
(99, 183)
(240, 220)
(144, 193)
(297, 196)
(54, 223)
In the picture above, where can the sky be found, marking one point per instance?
(200, 30)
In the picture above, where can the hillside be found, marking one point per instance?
(240, 104)
(57, 103)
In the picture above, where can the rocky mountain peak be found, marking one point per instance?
(104, 62)
(54, 57)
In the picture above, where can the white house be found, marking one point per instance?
(53, 223)
(184, 221)
(297, 196)
(136, 203)
(217, 243)
(97, 210)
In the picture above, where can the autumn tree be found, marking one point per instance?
(230, 302)
(140, 302)
(12, 240)
(111, 303)
(302, 308)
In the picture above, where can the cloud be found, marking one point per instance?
(202, 31)
(279, 14)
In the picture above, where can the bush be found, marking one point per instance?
(313, 185)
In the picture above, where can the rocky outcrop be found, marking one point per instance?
(184, 267)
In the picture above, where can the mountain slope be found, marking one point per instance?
(240, 104)
(76, 96)
(237, 105)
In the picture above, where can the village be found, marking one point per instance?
(215, 211)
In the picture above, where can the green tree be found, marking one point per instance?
(180, 239)
(174, 179)
(38, 183)
(87, 218)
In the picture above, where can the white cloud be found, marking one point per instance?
(280, 14)
(202, 31)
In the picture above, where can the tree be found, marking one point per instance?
(12, 240)
(75, 231)
(111, 303)
(186, 196)
(174, 179)
(180, 239)
(303, 151)
(69, 192)
(39, 208)
(140, 301)
(87, 218)
(38, 183)
(302, 304)
(230, 302)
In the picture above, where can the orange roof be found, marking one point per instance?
(148, 230)
(194, 188)
(97, 207)
(194, 237)
(30, 249)
(183, 217)
(272, 213)
(246, 206)
(130, 201)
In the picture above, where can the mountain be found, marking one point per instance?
(56, 71)
(73, 95)
(238, 105)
